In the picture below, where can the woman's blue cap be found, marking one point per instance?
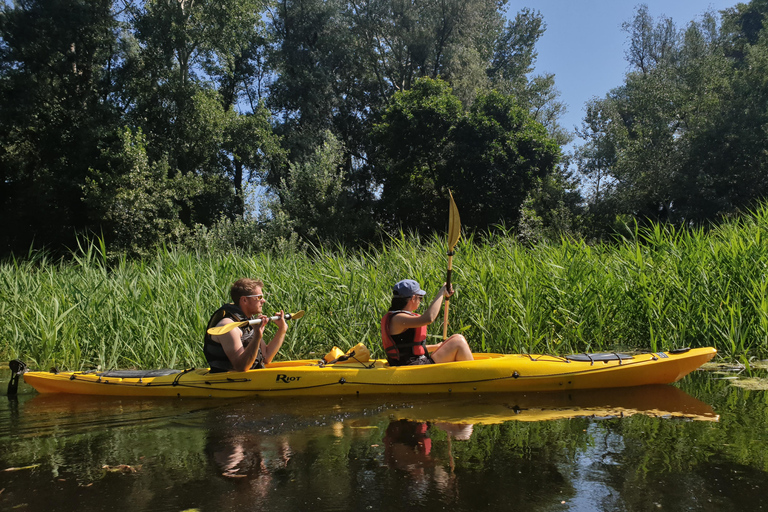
(407, 288)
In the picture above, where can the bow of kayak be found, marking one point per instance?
(488, 373)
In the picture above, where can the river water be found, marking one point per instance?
(701, 445)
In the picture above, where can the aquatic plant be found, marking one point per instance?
(657, 288)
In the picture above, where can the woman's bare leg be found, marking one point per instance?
(455, 348)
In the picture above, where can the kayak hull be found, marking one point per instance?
(488, 373)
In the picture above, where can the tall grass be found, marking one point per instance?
(658, 288)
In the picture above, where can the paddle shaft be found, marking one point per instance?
(224, 329)
(447, 299)
(257, 321)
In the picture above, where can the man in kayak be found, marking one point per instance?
(242, 348)
(404, 332)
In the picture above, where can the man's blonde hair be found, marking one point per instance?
(243, 287)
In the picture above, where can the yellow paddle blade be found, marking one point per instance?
(224, 329)
(454, 224)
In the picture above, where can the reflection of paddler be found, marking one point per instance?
(458, 431)
(407, 445)
(251, 460)
(246, 456)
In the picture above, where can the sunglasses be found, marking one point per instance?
(259, 296)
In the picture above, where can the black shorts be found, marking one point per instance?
(418, 360)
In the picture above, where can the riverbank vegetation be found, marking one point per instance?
(656, 288)
(180, 145)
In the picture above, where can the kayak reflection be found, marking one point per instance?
(277, 414)
(658, 401)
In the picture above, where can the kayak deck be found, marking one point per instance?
(486, 374)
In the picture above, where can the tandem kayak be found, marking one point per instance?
(488, 373)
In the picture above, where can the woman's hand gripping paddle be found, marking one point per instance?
(224, 329)
(454, 232)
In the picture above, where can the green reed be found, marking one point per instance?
(658, 288)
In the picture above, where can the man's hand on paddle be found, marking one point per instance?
(282, 325)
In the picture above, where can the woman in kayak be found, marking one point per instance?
(404, 332)
(244, 348)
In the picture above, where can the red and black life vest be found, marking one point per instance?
(403, 347)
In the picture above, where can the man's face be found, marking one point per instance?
(253, 303)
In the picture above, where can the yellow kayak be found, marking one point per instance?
(488, 373)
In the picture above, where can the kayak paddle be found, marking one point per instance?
(224, 329)
(454, 232)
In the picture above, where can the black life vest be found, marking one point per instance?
(403, 347)
(214, 352)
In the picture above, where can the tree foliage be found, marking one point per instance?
(684, 138)
(149, 121)
(491, 155)
(312, 201)
(136, 201)
(191, 91)
(55, 111)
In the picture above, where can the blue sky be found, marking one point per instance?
(584, 45)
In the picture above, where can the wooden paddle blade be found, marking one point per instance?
(454, 224)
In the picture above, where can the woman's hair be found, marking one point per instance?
(243, 287)
(398, 303)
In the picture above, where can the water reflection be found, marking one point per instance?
(630, 449)
(661, 401)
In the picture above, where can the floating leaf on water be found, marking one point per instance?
(121, 468)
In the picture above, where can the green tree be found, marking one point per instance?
(135, 203)
(501, 154)
(728, 150)
(56, 81)
(511, 71)
(195, 68)
(313, 201)
(322, 83)
(683, 138)
(415, 145)
(492, 156)
(341, 66)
